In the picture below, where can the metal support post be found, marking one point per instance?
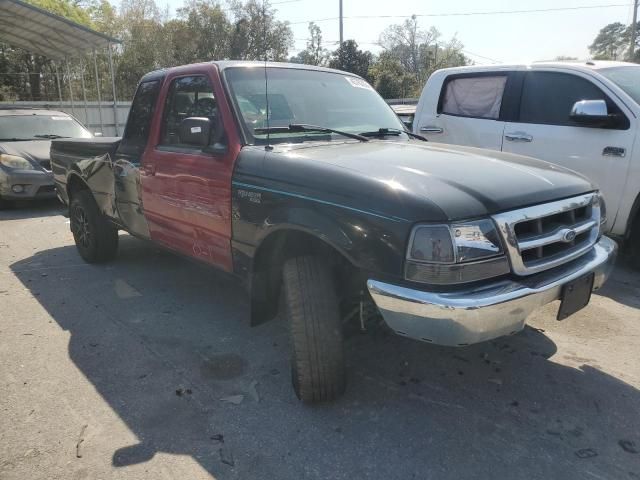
(113, 88)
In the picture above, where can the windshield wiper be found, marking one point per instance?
(14, 139)
(383, 132)
(303, 127)
(50, 136)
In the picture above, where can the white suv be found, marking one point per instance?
(583, 116)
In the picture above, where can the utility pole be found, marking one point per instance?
(341, 29)
(633, 30)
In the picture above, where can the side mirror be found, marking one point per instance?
(591, 112)
(195, 131)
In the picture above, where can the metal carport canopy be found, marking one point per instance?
(38, 31)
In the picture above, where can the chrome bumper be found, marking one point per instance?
(472, 315)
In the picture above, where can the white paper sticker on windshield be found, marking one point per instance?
(196, 129)
(60, 118)
(359, 83)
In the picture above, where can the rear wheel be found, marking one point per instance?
(634, 243)
(96, 239)
(317, 358)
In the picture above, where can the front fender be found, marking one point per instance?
(370, 241)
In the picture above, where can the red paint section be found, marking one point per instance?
(187, 196)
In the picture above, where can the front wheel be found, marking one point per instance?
(317, 358)
(96, 239)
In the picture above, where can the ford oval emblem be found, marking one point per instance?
(569, 235)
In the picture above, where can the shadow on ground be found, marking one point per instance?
(624, 285)
(164, 340)
(32, 209)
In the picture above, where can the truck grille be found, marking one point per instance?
(544, 236)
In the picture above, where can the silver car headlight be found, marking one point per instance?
(457, 253)
(15, 162)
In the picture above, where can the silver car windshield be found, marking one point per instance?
(40, 127)
(298, 96)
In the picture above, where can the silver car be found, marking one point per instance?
(25, 138)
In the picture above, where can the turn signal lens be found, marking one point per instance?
(432, 243)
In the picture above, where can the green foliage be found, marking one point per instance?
(350, 58)
(65, 8)
(315, 53)
(204, 30)
(610, 43)
(391, 79)
(419, 52)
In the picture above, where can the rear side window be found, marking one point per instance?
(141, 113)
(474, 96)
(548, 97)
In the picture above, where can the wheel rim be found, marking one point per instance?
(80, 227)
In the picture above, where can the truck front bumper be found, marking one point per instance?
(26, 185)
(476, 314)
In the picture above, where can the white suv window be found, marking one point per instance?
(475, 96)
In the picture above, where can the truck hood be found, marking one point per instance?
(36, 151)
(417, 181)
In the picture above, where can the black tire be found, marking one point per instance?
(317, 358)
(634, 244)
(96, 239)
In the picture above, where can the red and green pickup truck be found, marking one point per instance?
(303, 182)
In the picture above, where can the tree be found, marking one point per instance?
(610, 43)
(202, 34)
(409, 44)
(351, 59)
(314, 54)
(636, 51)
(256, 34)
(419, 51)
(390, 78)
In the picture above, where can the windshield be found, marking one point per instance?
(627, 78)
(40, 127)
(296, 96)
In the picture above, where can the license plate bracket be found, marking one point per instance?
(575, 295)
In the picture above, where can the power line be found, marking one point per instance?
(468, 14)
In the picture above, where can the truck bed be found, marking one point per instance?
(87, 156)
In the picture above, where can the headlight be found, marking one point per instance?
(14, 161)
(457, 253)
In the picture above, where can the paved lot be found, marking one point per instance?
(118, 371)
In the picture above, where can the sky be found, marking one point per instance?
(487, 38)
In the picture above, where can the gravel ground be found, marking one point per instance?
(147, 368)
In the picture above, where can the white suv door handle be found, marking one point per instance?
(518, 137)
(430, 129)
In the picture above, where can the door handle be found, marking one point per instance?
(614, 152)
(518, 137)
(430, 129)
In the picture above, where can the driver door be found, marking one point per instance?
(187, 188)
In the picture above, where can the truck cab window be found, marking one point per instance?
(187, 97)
(137, 130)
(474, 96)
(548, 97)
